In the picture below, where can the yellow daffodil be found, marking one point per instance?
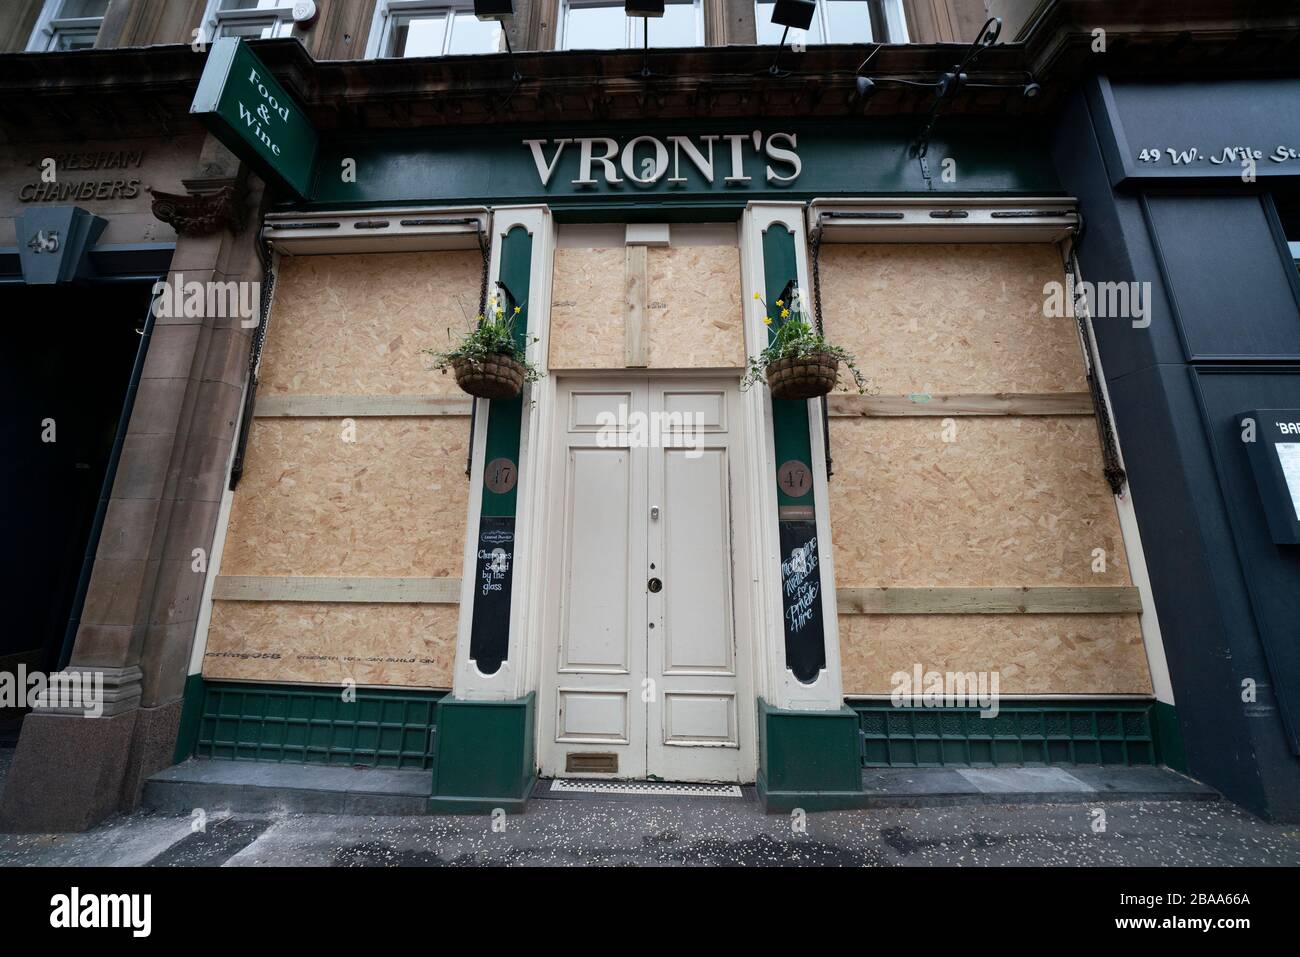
(785, 313)
(767, 320)
(755, 295)
(518, 309)
(780, 302)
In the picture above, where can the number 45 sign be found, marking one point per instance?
(44, 241)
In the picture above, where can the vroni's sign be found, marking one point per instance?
(253, 115)
(645, 160)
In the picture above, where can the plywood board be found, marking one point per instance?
(356, 324)
(391, 503)
(695, 312)
(950, 318)
(587, 292)
(692, 316)
(1012, 501)
(1032, 654)
(402, 645)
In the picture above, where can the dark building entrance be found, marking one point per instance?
(65, 373)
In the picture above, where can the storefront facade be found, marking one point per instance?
(638, 570)
(607, 596)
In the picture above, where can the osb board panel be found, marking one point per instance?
(951, 317)
(1032, 654)
(392, 503)
(587, 308)
(1013, 501)
(693, 313)
(694, 310)
(325, 643)
(356, 325)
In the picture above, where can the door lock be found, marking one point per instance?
(655, 586)
(654, 513)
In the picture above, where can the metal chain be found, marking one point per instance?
(1114, 472)
(267, 258)
(815, 245)
(484, 247)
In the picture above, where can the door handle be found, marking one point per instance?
(654, 585)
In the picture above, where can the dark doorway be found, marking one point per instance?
(68, 355)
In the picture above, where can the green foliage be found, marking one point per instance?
(795, 336)
(493, 335)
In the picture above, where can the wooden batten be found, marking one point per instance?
(355, 406)
(425, 591)
(974, 403)
(1024, 600)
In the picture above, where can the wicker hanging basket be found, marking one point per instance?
(496, 377)
(803, 376)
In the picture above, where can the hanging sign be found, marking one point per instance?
(255, 117)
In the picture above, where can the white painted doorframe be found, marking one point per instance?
(694, 719)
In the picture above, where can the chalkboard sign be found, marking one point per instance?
(801, 600)
(489, 639)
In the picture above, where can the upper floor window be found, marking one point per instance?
(68, 25)
(603, 25)
(408, 28)
(251, 19)
(839, 21)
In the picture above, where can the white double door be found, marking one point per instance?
(646, 668)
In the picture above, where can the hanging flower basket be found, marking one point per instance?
(804, 376)
(488, 361)
(798, 362)
(493, 377)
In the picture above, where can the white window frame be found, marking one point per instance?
(387, 11)
(895, 23)
(632, 35)
(45, 35)
(276, 21)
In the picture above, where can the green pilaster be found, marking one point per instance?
(790, 429)
(483, 756)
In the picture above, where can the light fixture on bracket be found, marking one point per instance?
(501, 10)
(645, 9)
(790, 14)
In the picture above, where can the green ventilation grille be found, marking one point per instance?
(381, 728)
(1023, 733)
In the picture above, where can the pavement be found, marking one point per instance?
(681, 832)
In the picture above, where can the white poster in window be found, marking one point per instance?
(1289, 454)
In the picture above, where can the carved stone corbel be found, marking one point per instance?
(207, 206)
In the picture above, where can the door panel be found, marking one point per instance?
(653, 677)
(597, 626)
(696, 551)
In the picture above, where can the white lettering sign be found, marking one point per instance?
(646, 160)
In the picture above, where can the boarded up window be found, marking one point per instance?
(934, 501)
